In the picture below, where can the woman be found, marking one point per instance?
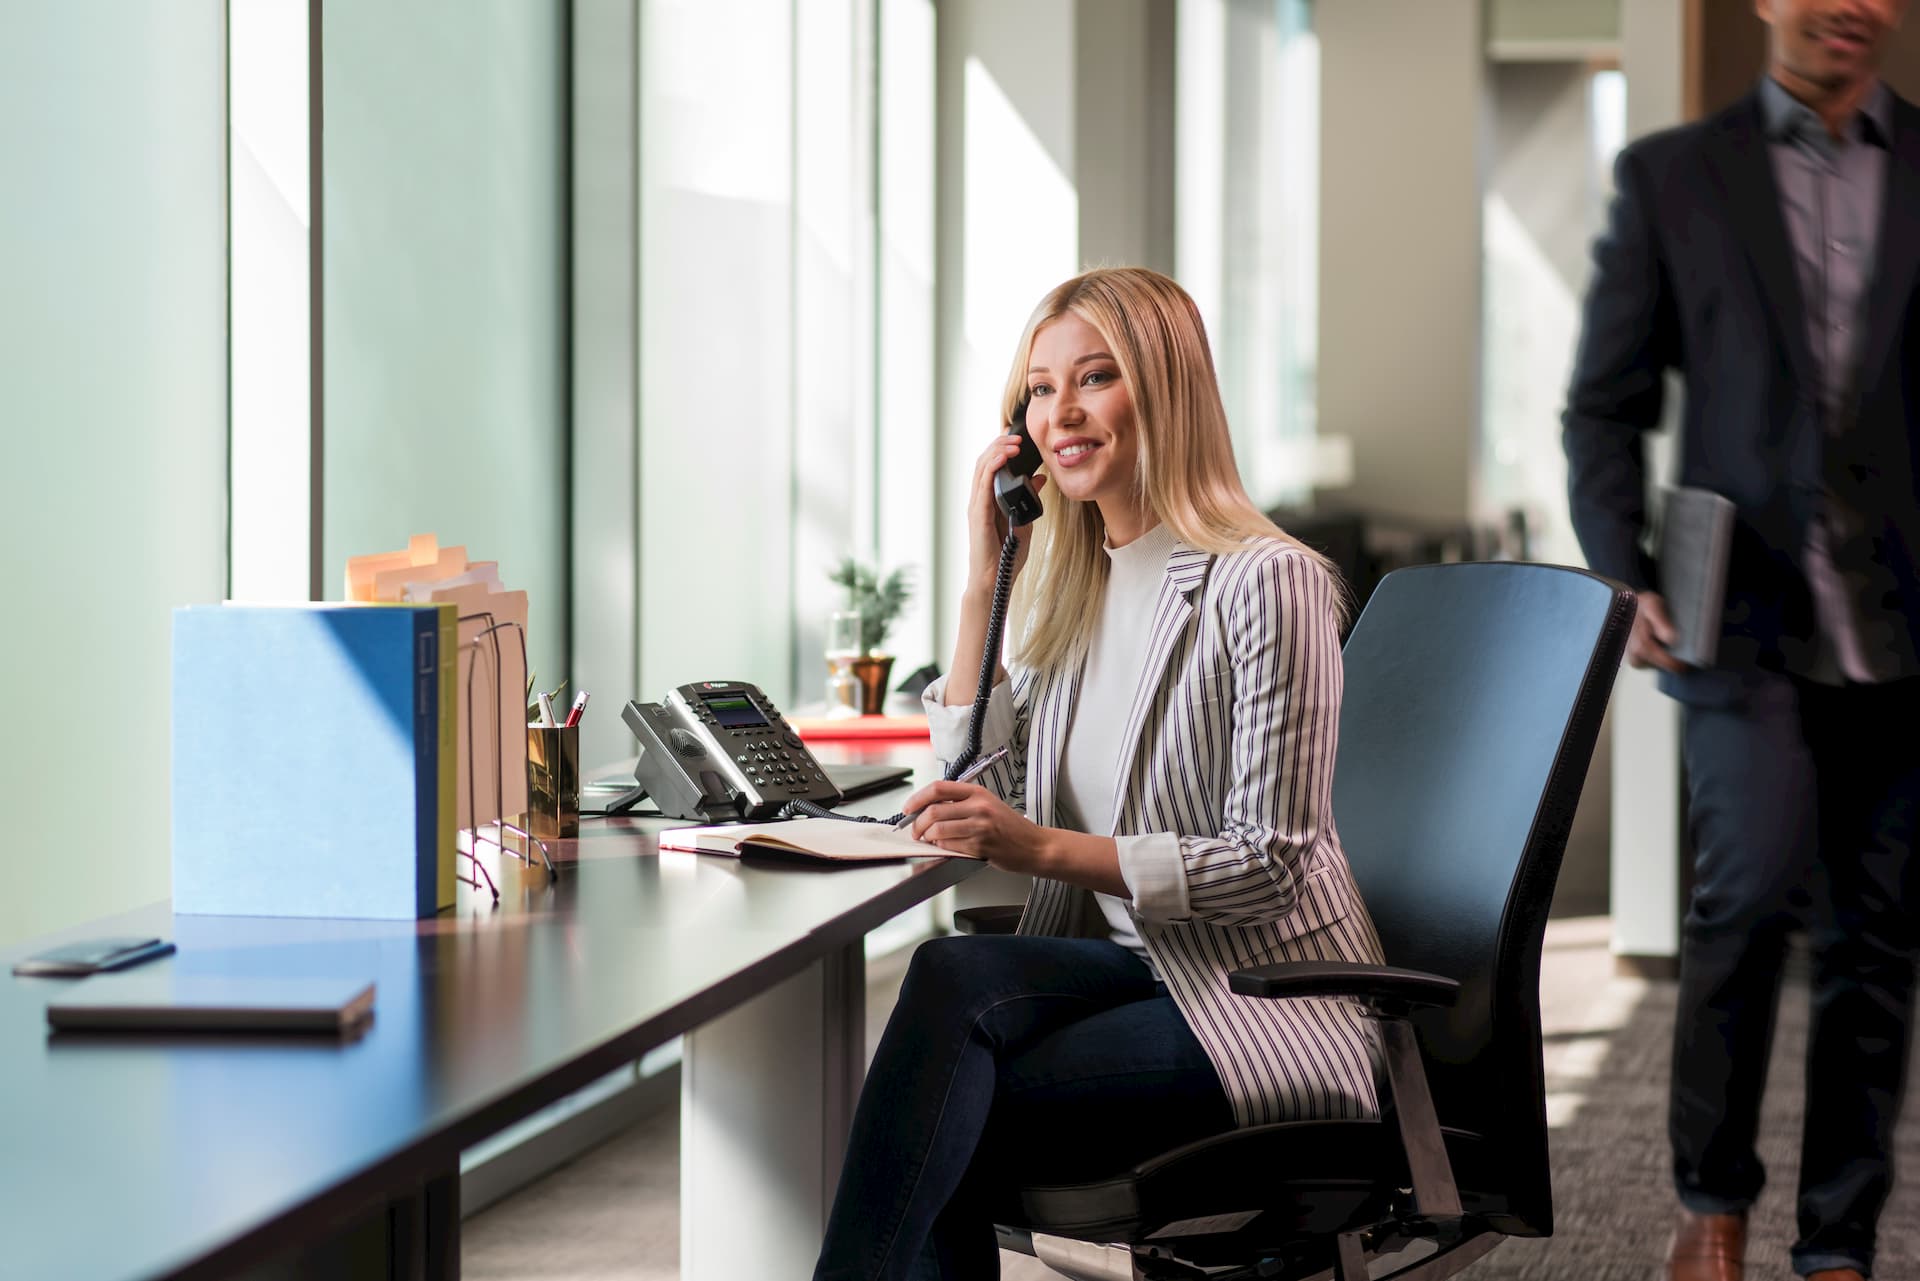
(1171, 719)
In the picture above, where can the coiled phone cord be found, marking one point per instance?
(990, 657)
(977, 719)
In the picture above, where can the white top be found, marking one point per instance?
(1089, 759)
(1151, 864)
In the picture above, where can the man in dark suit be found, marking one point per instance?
(1769, 254)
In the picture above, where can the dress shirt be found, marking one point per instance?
(1831, 193)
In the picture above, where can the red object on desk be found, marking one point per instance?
(823, 729)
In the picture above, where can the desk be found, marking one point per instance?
(206, 1156)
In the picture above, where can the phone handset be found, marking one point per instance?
(1013, 483)
(1013, 490)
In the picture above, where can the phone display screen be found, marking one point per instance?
(733, 711)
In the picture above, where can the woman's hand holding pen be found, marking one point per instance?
(965, 818)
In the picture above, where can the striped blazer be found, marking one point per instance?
(1229, 745)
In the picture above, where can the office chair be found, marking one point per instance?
(1474, 693)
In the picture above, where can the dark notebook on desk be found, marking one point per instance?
(169, 1001)
(854, 782)
(1696, 530)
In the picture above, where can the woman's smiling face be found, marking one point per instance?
(1081, 419)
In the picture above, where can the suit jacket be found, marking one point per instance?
(1229, 744)
(1696, 273)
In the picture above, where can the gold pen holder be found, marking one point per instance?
(553, 780)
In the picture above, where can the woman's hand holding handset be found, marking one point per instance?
(986, 531)
(986, 525)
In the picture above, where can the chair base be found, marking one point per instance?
(1085, 1261)
(1092, 1261)
(1446, 1261)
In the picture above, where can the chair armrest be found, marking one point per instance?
(1390, 994)
(1001, 918)
(1387, 988)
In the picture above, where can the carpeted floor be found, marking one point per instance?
(613, 1213)
(1607, 1084)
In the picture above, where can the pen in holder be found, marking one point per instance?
(553, 780)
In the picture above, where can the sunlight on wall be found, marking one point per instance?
(1022, 220)
(904, 364)
(1607, 107)
(718, 108)
(1294, 197)
(1532, 322)
(833, 463)
(270, 466)
(1557, 127)
(716, 342)
(1248, 236)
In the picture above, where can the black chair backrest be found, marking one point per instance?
(1473, 697)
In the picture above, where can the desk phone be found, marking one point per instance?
(719, 750)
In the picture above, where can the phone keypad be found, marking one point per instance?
(772, 757)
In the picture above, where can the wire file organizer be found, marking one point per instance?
(489, 637)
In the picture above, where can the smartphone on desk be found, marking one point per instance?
(719, 750)
(94, 956)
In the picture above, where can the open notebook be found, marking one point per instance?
(832, 839)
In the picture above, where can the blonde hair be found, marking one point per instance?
(1185, 473)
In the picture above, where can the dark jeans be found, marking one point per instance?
(1802, 808)
(1056, 1058)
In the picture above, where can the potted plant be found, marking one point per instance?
(879, 602)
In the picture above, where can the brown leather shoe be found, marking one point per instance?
(1836, 1274)
(1708, 1247)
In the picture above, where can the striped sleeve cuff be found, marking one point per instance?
(947, 726)
(1155, 872)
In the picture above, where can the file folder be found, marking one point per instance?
(490, 768)
(1696, 531)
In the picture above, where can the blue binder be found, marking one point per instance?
(310, 760)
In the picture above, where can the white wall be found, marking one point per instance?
(1123, 126)
(1647, 807)
(1546, 23)
(113, 381)
(1403, 99)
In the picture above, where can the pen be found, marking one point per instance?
(578, 709)
(966, 775)
(546, 710)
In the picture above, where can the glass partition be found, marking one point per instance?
(445, 292)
